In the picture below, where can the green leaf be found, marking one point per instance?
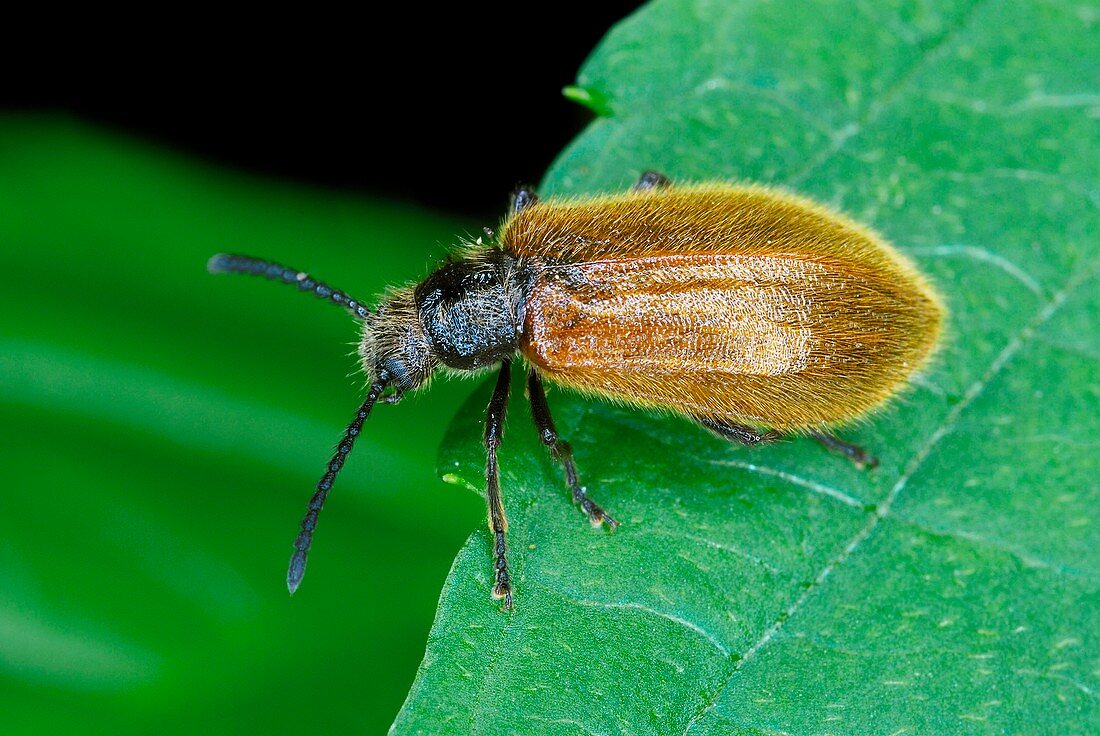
(161, 430)
(956, 589)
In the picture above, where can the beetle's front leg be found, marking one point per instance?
(498, 522)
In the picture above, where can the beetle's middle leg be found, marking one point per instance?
(561, 451)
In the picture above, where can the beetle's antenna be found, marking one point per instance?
(229, 263)
(305, 537)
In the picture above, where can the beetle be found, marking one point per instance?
(755, 312)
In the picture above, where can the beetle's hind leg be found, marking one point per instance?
(855, 453)
(562, 452)
(738, 433)
(651, 181)
(743, 435)
(498, 522)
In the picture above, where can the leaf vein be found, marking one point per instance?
(1010, 349)
(871, 113)
(634, 606)
(981, 254)
(793, 480)
(1020, 555)
(715, 544)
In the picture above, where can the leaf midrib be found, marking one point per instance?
(1012, 347)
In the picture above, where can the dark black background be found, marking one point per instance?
(451, 108)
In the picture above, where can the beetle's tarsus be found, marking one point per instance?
(859, 457)
(596, 515)
(504, 591)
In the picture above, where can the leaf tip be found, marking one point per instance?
(593, 100)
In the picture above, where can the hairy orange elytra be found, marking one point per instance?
(753, 311)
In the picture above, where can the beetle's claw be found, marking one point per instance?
(503, 590)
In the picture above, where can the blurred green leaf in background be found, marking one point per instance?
(954, 590)
(162, 430)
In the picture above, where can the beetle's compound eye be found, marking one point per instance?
(398, 369)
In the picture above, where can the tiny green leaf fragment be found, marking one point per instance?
(591, 99)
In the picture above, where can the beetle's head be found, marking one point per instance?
(394, 348)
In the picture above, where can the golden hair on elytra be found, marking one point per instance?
(752, 311)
